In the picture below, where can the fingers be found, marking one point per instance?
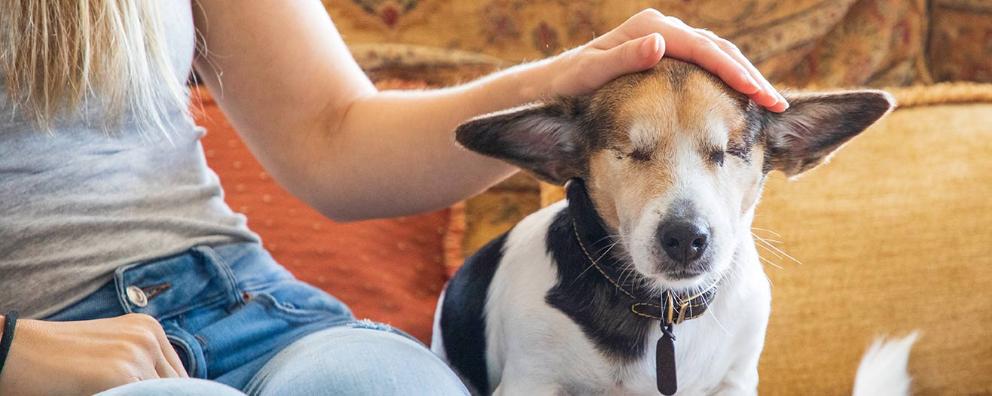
(686, 44)
(160, 359)
(168, 365)
(701, 47)
(632, 56)
(638, 25)
(767, 96)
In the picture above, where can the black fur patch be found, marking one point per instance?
(583, 294)
(463, 316)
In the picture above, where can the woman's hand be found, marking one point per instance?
(641, 41)
(86, 357)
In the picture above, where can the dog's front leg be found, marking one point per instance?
(526, 385)
(527, 390)
(742, 378)
(739, 383)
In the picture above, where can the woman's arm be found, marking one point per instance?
(283, 75)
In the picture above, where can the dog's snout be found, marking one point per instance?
(684, 240)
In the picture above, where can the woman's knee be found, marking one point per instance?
(357, 361)
(173, 387)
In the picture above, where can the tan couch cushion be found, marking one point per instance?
(895, 234)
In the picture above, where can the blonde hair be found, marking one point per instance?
(56, 54)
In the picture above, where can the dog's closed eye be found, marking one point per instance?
(716, 157)
(638, 155)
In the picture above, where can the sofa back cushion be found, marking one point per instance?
(894, 235)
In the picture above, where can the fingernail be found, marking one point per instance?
(651, 46)
(782, 99)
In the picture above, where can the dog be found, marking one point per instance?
(645, 279)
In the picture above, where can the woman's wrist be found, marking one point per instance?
(548, 77)
(515, 86)
(574, 72)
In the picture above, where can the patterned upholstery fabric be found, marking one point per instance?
(799, 42)
(961, 40)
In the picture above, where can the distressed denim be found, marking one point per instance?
(241, 321)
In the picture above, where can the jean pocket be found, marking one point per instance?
(189, 351)
(270, 317)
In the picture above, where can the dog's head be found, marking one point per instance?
(673, 159)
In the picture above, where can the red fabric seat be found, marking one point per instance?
(386, 270)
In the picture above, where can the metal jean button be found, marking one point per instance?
(137, 296)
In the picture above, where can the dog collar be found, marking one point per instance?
(668, 307)
(672, 308)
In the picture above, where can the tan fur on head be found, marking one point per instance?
(649, 114)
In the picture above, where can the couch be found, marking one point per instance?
(892, 236)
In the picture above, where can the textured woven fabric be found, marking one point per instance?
(801, 42)
(960, 45)
(894, 236)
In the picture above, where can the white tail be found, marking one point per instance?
(884, 368)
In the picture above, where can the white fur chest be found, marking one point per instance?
(533, 348)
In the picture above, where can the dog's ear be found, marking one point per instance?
(817, 124)
(544, 138)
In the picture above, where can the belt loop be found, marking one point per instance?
(121, 288)
(221, 269)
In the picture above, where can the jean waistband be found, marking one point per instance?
(201, 276)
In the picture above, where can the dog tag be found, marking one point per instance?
(665, 361)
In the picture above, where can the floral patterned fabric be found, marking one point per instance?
(798, 42)
(961, 40)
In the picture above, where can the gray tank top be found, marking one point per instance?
(77, 203)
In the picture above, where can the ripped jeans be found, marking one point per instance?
(242, 324)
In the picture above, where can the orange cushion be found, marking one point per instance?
(386, 270)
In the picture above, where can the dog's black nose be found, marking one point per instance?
(684, 241)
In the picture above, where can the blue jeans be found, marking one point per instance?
(241, 321)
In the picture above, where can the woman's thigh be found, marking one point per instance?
(173, 387)
(355, 360)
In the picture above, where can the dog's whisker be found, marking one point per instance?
(769, 262)
(580, 274)
(608, 236)
(769, 250)
(625, 273)
(607, 248)
(782, 252)
(594, 262)
(765, 245)
(767, 230)
(714, 314)
(774, 249)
